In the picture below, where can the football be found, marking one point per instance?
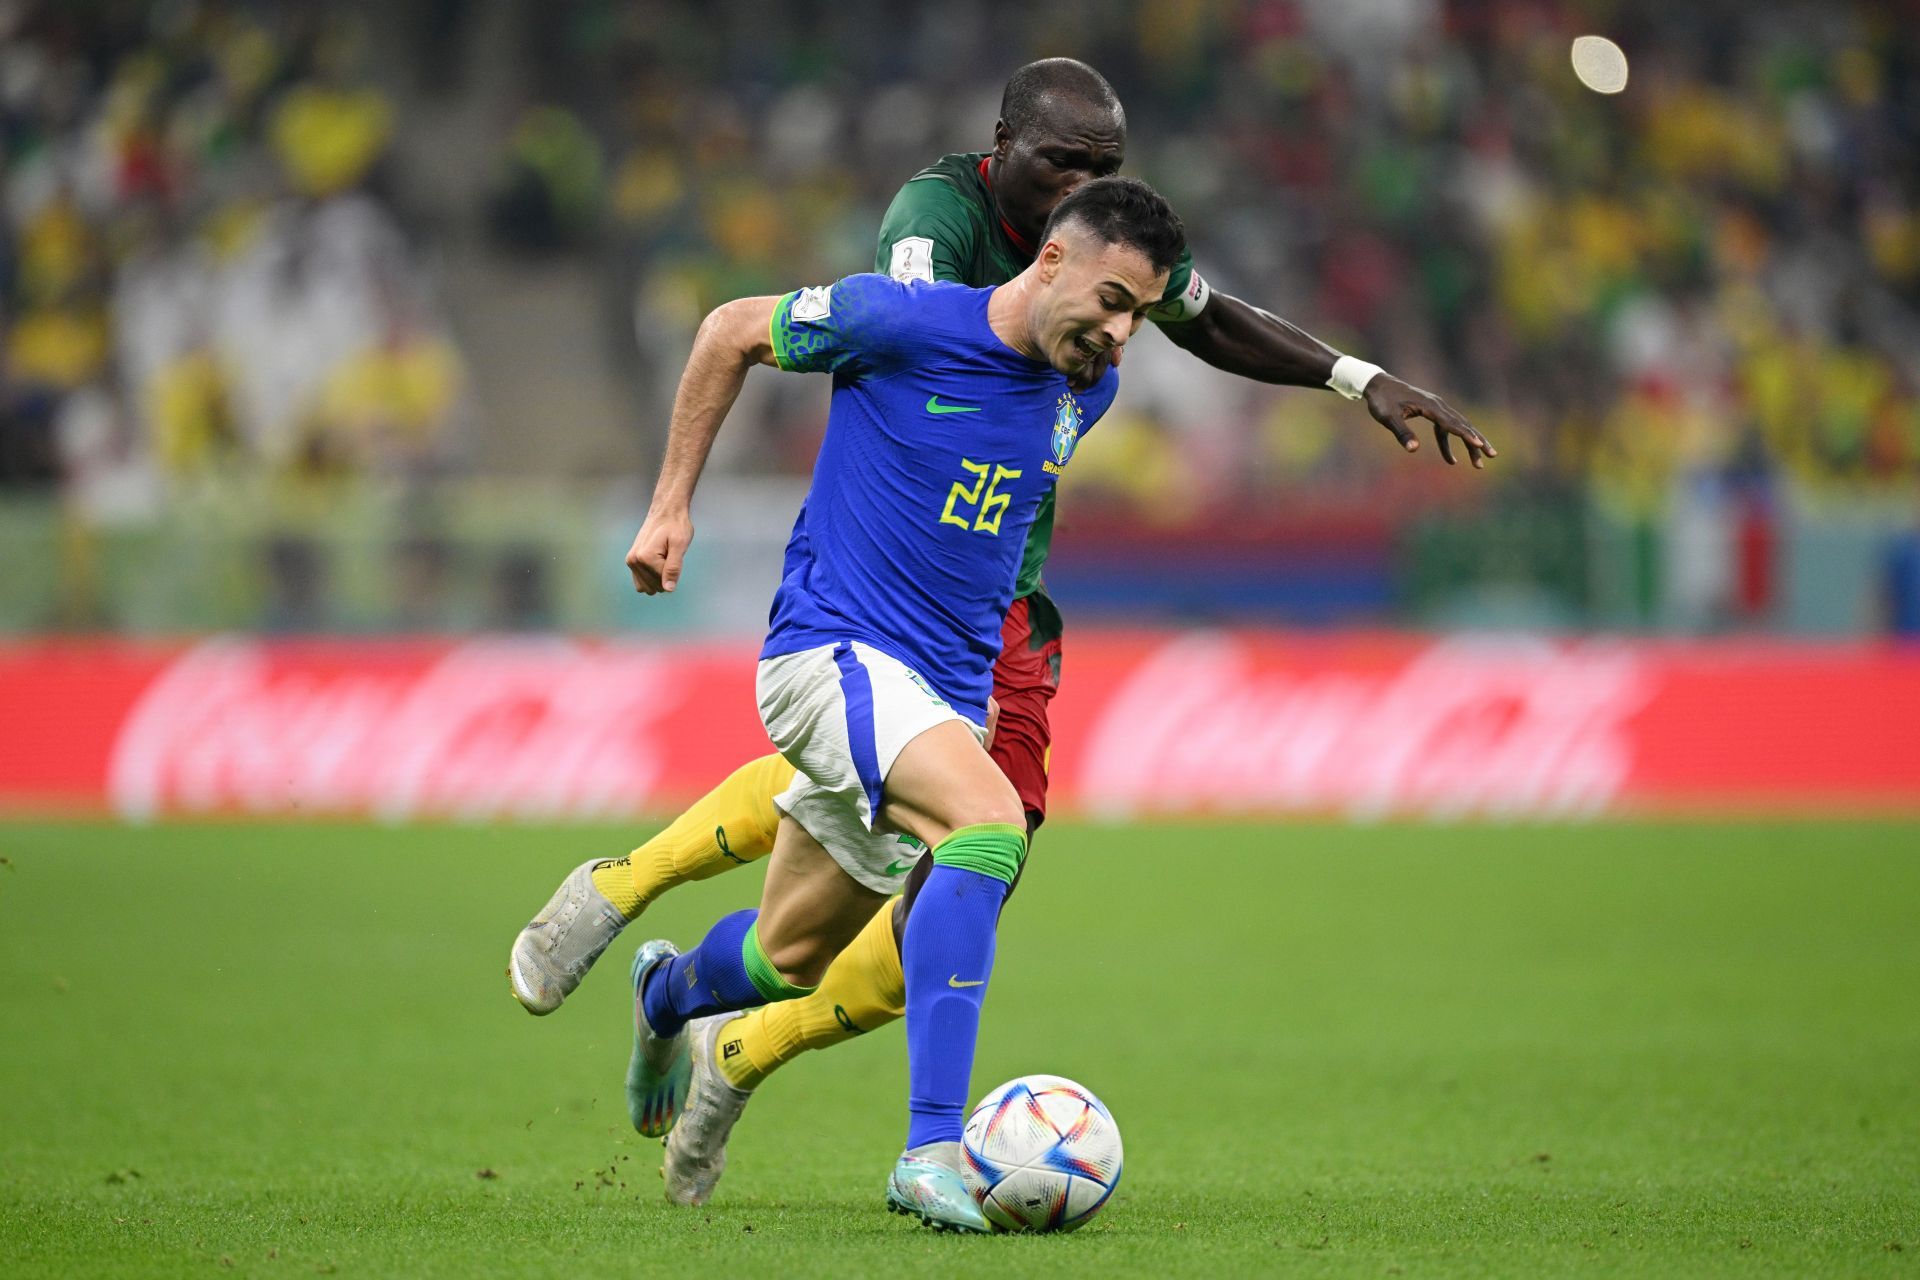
(1043, 1154)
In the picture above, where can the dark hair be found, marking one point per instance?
(1054, 77)
(1125, 211)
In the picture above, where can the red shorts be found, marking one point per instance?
(1025, 677)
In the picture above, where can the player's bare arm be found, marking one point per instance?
(732, 339)
(1243, 339)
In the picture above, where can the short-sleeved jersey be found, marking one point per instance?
(941, 443)
(943, 226)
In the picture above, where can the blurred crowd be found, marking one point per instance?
(199, 276)
(1716, 273)
(1709, 283)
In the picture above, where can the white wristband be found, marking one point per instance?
(1350, 376)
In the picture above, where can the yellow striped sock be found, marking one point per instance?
(730, 826)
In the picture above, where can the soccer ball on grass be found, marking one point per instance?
(1043, 1154)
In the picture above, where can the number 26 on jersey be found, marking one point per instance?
(979, 506)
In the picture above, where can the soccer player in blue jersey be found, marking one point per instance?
(952, 417)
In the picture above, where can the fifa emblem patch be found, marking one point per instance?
(912, 259)
(1066, 433)
(812, 304)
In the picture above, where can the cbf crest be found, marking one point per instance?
(1066, 432)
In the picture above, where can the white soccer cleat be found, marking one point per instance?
(697, 1147)
(558, 946)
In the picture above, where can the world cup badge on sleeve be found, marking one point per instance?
(812, 304)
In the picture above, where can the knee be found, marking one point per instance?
(990, 847)
(993, 805)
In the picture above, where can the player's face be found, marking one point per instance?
(1069, 144)
(1096, 296)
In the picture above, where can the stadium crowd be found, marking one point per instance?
(1710, 281)
(1715, 272)
(198, 275)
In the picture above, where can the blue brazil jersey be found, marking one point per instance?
(941, 441)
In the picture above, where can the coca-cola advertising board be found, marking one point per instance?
(1167, 723)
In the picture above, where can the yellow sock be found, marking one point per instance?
(863, 989)
(615, 882)
(730, 826)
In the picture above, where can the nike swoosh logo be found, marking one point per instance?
(895, 868)
(954, 981)
(934, 406)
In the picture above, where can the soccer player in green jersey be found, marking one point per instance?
(971, 218)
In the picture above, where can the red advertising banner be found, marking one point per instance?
(1161, 723)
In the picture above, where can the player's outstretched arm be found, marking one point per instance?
(1244, 339)
(732, 339)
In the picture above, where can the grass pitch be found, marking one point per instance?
(1615, 1049)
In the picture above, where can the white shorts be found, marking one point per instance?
(841, 714)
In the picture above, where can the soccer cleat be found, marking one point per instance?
(560, 944)
(935, 1193)
(697, 1147)
(658, 1071)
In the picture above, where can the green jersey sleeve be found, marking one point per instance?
(930, 233)
(1186, 295)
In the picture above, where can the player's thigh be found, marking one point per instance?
(810, 908)
(944, 780)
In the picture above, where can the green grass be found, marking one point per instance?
(1616, 1049)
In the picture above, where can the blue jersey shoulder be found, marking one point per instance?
(868, 326)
